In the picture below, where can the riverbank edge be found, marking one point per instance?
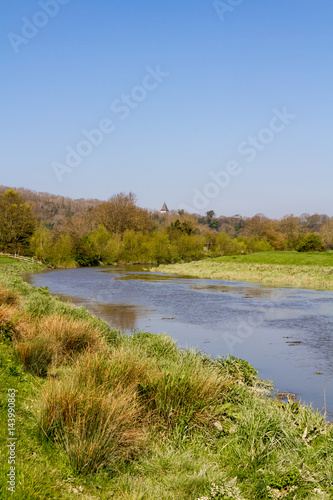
(286, 275)
(10, 279)
(313, 277)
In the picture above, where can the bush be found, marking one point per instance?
(134, 247)
(224, 245)
(85, 253)
(254, 245)
(159, 248)
(189, 247)
(310, 243)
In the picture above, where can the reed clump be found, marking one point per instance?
(96, 428)
(54, 340)
(188, 394)
(94, 412)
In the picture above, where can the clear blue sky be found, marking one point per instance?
(222, 73)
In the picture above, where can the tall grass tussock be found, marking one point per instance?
(51, 341)
(96, 426)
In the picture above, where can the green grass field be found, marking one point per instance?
(282, 258)
(310, 270)
(8, 260)
(104, 415)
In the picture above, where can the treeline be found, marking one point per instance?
(63, 232)
(53, 210)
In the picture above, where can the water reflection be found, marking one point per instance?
(121, 316)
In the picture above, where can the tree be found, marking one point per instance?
(263, 228)
(213, 223)
(41, 243)
(17, 221)
(326, 232)
(105, 245)
(289, 225)
(120, 213)
(210, 214)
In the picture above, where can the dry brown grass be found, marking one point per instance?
(7, 314)
(10, 321)
(46, 343)
(8, 296)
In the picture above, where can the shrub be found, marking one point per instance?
(225, 245)
(159, 248)
(254, 245)
(310, 243)
(189, 247)
(134, 247)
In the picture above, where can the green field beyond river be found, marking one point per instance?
(307, 270)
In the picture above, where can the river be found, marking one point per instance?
(285, 333)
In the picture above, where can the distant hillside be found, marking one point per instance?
(54, 210)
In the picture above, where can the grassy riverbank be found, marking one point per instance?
(103, 415)
(310, 270)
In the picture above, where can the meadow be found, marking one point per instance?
(307, 270)
(291, 258)
(104, 415)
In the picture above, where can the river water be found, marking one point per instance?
(285, 333)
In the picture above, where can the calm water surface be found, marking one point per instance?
(285, 333)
